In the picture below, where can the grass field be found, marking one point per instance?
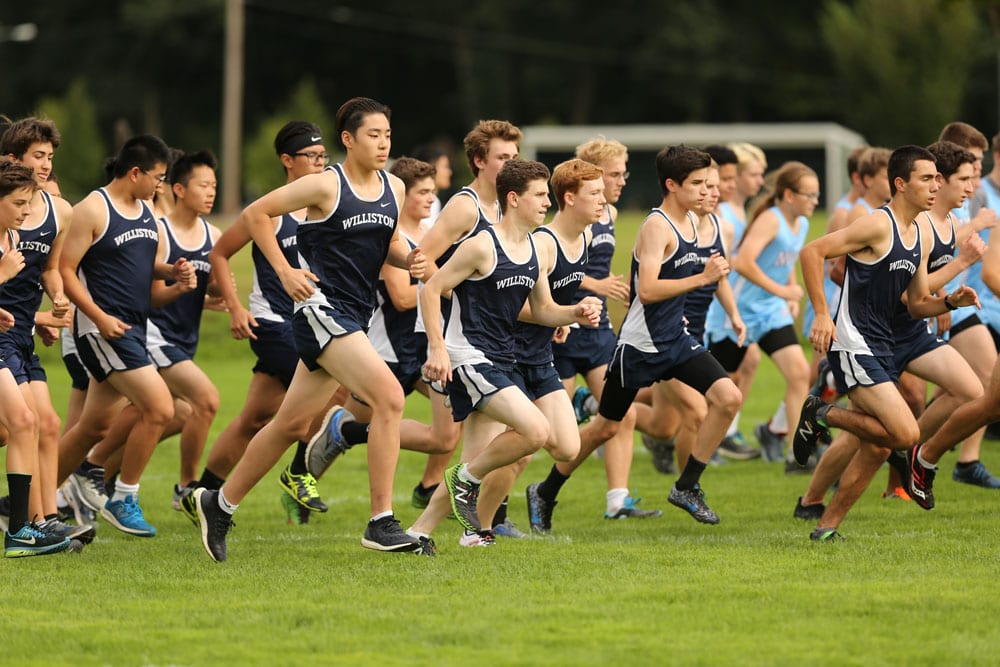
(906, 587)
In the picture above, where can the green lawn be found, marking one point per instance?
(907, 586)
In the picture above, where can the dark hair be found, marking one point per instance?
(902, 162)
(410, 170)
(351, 114)
(722, 155)
(14, 176)
(19, 135)
(144, 151)
(964, 135)
(949, 156)
(429, 153)
(515, 175)
(296, 135)
(677, 163)
(180, 170)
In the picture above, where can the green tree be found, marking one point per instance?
(262, 172)
(77, 164)
(903, 66)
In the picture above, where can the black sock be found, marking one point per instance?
(549, 488)
(426, 490)
(354, 433)
(209, 480)
(19, 486)
(692, 473)
(109, 485)
(299, 462)
(50, 517)
(965, 465)
(86, 466)
(501, 514)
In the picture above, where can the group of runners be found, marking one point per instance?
(365, 289)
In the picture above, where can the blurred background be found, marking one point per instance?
(893, 71)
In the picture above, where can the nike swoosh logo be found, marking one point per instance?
(44, 234)
(205, 252)
(695, 347)
(23, 541)
(316, 138)
(532, 268)
(384, 204)
(146, 219)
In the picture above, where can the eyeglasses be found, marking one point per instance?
(808, 195)
(162, 178)
(313, 156)
(619, 174)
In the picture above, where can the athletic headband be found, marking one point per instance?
(299, 141)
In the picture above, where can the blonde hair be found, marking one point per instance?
(747, 153)
(600, 149)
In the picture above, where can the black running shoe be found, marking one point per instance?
(809, 512)
(385, 534)
(809, 431)
(825, 535)
(662, 454)
(899, 462)
(539, 510)
(215, 523)
(921, 480)
(427, 547)
(464, 498)
(693, 502)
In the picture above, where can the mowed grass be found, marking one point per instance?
(907, 586)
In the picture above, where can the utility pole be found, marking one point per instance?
(232, 109)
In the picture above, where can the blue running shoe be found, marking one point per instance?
(975, 473)
(580, 396)
(630, 510)
(31, 540)
(126, 516)
(328, 443)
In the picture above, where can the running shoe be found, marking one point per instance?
(921, 480)
(735, 447)
(328, 442)
(385, 534)
(297, 514)
(126, 516)
(539, 510)
(825, 535)
(662, 454)
(89, 487)
(580, 397)
(182, 492)
(811, 512)
(302, 489)
(809, 431)
(477, 538)
(84, 533)
(215, 523)
(692, 501)
(630, 510)
(421, 498)
(772, 445)
(31, 540)
(509, 530)
(464, 498)
(975, 474)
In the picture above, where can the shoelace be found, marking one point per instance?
(96, 478)
(309, 482)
